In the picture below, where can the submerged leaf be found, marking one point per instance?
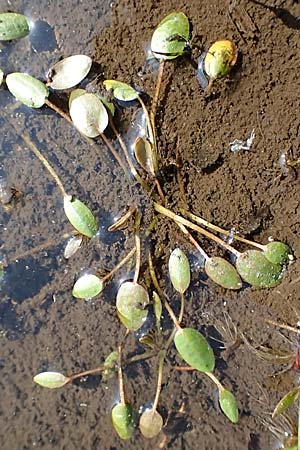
(122, 419)
(277, 252)
(70, 71)
(143, 152)
(157, 306)
(51, 380)
(13, 26)
(256, 270)
(131, 301)
(194, 349)
(228, 405)
(151, 423)
(121, 91)
(72, 246)
(220, 59)
(80, 217)
(179, 270)
(112, 359)
(27, 89)
(87, 286)
(88, 114)
(171, 36)
(223, 273)
(286, 401)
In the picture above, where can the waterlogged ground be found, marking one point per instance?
(43, 328)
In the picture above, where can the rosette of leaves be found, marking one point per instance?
(171, 36)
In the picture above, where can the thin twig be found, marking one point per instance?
(283, 325)
(119, 265)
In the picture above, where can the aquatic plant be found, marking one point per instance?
(92, 114)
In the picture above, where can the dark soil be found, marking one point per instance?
(42, 327)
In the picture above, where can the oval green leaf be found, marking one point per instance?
(131, 301)
(88, 114)
(121, 91)
(220, 59)
(171, 36)
(256, 270)
(151, 423)
(194, 349)
(122, 419)
(157, 306)
(286, 401)
(179, 270)
(223, 273)
(70, 71)
(277, 252)
(27, 89)
(87, 286)
(50, 380)
(228, 405)
(80, 217)
(13, 26)
(112, 359)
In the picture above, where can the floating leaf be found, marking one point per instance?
(277, 252)
(72, 246)
(151, 423)
(80, 217)
(143, 152)
(157, 306)
(75, 94)
(13, 26)
(69, 71)
(1, 76)
(179, 270)
(256, 270)
(228, 405)
(171, 36)
(112, 359)
(194, 349)
(131, 301)
(122, 419)
(27, 89)
(87, 286)
(108, 105)
(121, 91)
(51, 380)
(223, 273)
(286, 401)
(88, 114)
(220, 59)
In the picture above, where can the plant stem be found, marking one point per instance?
(162, 210)
(151, 132)
(120, 376)
(100, 369)
(172, 315)
(114, 153)
(59, 111)
(119, 265)
(215, 380)
(162, 355)
(157, 91)
(44, 161)
(207, 224)
(154, 277)
(137, 246)
(283, 325)
(193, 241)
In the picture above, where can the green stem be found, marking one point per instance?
(166, 212)
(162, 355)
(120, 376)
(193, 241)
(215, 380)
